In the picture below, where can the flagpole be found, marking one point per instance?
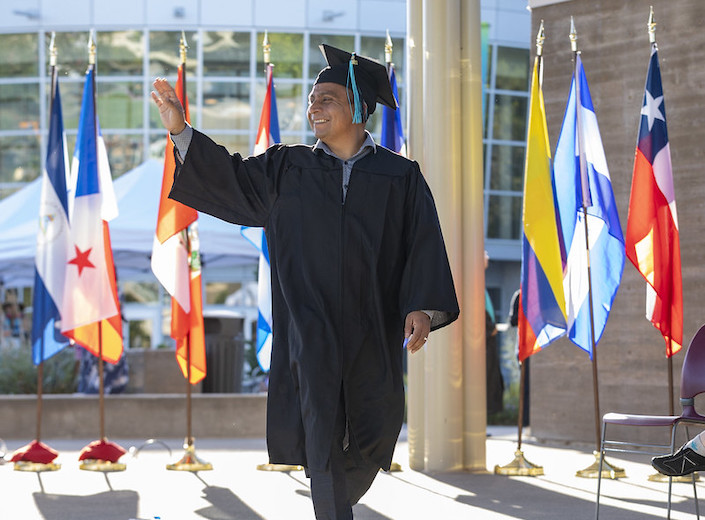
(591, 471)
(189, 461)
(519, 466)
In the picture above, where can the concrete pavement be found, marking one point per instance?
(236, 490)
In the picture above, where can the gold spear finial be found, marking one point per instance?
(91, 49)
(651, 25)
(52, 50)
(573, 36)
(183, 47)
(540, 37)
(266, 48)
(388, 48)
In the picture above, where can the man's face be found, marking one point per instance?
(329, 112)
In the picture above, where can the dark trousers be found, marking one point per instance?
(341, 485)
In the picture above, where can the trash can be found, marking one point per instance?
(225, 353)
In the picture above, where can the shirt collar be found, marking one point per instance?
(369, 142)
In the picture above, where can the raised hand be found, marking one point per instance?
(170, 109)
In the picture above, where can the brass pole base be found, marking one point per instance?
(608, 470)
(394, 466)
(36, 467)
(279, 467)
(660, 477)
(104, 466)
(190, 462)
(519, 467)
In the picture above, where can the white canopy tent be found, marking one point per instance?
(226, 255)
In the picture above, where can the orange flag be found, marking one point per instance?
(176, 263)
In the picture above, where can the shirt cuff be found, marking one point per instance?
(429, 314)
(182, 141)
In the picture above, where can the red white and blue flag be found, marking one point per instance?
(653, 241)
(53, 240)
(91, 310)
(267, 135)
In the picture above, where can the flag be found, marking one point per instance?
(267, 135)
(53, 240)
(581, 180)
(652, 241)
(91, 309)
(392, 131)
(176, 263)
(541, 314)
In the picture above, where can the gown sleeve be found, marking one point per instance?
(240, 190)
(427, 282)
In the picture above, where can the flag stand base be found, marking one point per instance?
(190, 462)
(394, 466)
(608, 470)
(36, 467)
(104, 466)
(660, 477)
(279, 467)
(519, 467)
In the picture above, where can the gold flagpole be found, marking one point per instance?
(519, 466)
(268, 466)
(592, 471)
(189, 461)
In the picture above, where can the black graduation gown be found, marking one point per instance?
(344, 277)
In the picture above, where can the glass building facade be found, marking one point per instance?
(225, 77)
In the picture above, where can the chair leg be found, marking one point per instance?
(599, 471)
(695, 497)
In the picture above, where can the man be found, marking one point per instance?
(358, 268)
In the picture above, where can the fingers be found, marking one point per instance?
(416, 330)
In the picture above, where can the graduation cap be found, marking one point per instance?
(365, 77)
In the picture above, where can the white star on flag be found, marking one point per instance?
(651, 108)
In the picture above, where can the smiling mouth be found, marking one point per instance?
(318, 121)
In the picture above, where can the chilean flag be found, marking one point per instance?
(267, 135)
(91, 310)
(653, 241)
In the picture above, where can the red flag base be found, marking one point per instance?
(102, 456)
(36, 457)
(190, 462)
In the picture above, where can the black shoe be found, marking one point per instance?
(682, 462)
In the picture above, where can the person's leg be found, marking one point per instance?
(328, 487)
(689, 458)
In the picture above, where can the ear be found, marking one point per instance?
(365, 114)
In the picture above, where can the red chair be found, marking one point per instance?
(692, 384)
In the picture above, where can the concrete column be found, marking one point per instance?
(442, 155)
(416, 362)
(471, 286)
(447, 403)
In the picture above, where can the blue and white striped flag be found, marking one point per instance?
(53, 240)
(581, 178)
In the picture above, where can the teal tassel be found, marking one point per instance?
(356, 108)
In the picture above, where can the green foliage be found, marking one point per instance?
(18, 375)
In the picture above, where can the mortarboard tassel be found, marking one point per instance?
(356, 108)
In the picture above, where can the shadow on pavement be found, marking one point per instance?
(110, 505)
(226, 505)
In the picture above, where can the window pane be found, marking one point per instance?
(18, 55)
(512, 69)
(233, 143)
(286, 53)
(316, 60)
(226, 53)
(504, 217)
(164, 54)
(120, 53)
(157, 146)
(19, 106)
(19, 158)
(71, 96)
(119, 105)
(140, 292)
(290, 107)
(374, 48)
(507, 167)
(226, 105)
(124, 152)
(509, 118)
(72, 53)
